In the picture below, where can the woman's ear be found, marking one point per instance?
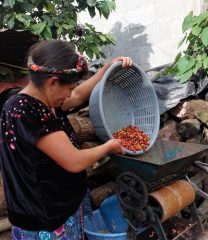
(52, 83)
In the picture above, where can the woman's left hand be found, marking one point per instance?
(127, 61)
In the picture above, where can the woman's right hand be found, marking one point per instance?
(115, 146)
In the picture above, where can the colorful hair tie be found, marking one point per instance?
(50, 70)
(81, 66)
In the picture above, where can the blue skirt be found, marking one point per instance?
(72, 229)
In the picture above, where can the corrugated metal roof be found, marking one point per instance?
(14, 46)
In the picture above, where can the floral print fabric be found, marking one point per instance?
(70, 230)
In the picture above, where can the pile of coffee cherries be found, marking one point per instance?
(132, 138)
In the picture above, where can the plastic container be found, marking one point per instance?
(112, 215)
(125, 96)
(96, 229)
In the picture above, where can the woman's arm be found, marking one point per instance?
(82, 92)
(58, 147)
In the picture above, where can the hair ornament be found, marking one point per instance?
(81, 66)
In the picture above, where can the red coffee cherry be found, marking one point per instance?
(132, 138)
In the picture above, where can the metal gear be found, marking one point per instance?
(131, 191)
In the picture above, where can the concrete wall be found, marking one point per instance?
(147, 30)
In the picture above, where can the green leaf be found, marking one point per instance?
(111, 39)
(185, 77)
(201, 57)
(91, 11)
(182, 41)
(89, 53)
(59, 30)
(39, 27)
(187, 23)
(46, 33)
(23, 18)
(10, 22)
(94, 49)
(184, 64)
(204, 36)
(66, 26)
(196, 30)
(50, 7)
(9, 3)
(178, 56)
(205, 63)
(197, 67)
(112, 5)
(89, 39)
(91, 3)
(102, 37)
(202, 17)
(91, 27)
(27, 6)
(104, 9)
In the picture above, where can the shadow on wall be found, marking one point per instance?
(130, 41)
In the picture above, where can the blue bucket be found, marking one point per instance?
(111, 213)
(96, 229)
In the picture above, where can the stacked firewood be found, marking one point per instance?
(187, 122)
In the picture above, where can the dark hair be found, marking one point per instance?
(56, 54)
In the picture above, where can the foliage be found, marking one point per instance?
(59, 19)
(192, 62)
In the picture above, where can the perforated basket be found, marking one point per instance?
(96, 229)
(125, 96)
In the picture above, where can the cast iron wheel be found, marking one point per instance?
(131, 191)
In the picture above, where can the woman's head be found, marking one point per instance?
(55, 67)
(50, 55)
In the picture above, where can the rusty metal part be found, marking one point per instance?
(173, 198)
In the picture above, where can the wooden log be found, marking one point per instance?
(84, 112)
(169, 131)
(107, 172)
(189, 109)
(83, 128)
(75, 124)
(97, 195)
(5, 224)
(3, 207)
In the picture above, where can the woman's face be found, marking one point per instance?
(58, 93)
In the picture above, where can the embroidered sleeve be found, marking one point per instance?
(35, 120)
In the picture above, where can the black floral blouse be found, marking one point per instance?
(39, 193)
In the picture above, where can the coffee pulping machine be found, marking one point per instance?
(154, 186)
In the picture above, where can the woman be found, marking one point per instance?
(42, 166)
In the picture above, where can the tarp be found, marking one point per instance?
(170, 92)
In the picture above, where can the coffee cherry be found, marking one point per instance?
(132, 138)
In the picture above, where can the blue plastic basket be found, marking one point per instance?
(125, 96)
(95, 227)
(112, 215)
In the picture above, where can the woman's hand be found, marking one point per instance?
(81, 93)
(115, 146)
(127, 61)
